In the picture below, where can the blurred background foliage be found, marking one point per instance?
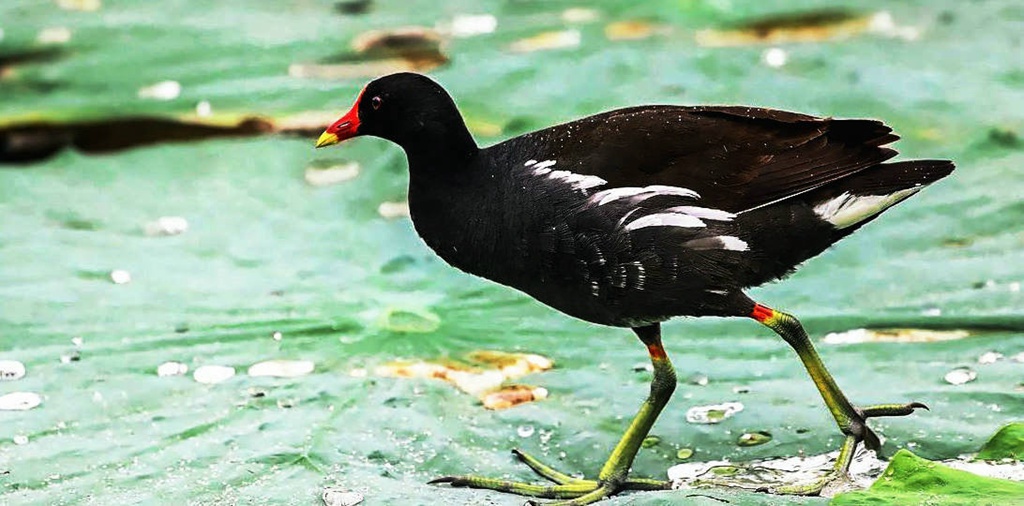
(115, 114)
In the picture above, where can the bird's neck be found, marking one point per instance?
(441, 148)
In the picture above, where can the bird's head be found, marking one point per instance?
(408, 109)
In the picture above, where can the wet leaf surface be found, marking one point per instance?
(268, 254)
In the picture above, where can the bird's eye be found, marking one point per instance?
(375, 103)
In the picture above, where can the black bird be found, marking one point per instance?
(631, 217)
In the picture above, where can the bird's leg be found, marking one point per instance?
(613, 475)
(852, 420)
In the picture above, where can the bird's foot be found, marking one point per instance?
(857, 426)
(572, 491)
(857, 431)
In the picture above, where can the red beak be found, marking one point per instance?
(345, 128)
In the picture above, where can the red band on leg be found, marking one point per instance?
(762, 313)
(656, 351)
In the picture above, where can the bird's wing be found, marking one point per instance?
(735, 158)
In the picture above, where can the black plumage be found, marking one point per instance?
(633, 216)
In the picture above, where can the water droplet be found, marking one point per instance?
(277, 336)
(77, 341)
(171, 369)
(166, 225)
(340, 497)
(11, 370)
(525, 431)
(775, 57)
(282, 368)
(960, 375)
(651, 441)
(164, 90)
(204, 109)
(990, 357)
(684, 453)
(211, 374)
(741, 390)
(120, 276)
(714, 413)
(698, 379)
(21, 439)
(19, 401)
(754, 438)
(74, 356)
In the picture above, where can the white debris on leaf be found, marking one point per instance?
(893, 336)
(469, 25)
(164, 90)
(547, 40)
(20, 401)
(282, 368)
(167, 225)
(204, 109)
(960, 376)
(990, 357)
(340, 497)
(120, 276)
(580, 15)
(20, 439)
(392, 210)
(775, 57)
(332, 175)
(80, 5)
(11, 370)
(883, 23)
(212, 374)
(172, 369)
(714, 413)
(54, 35)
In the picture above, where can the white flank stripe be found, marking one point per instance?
(605, 196)
(541, 171)
(672, 190)
(613, 194)
(665, 220)
(703, 212)
(847, 210)
(732, 243)
(530, 162)
(545, 164)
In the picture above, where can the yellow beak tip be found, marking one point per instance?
(326, 139)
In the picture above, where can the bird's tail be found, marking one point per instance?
(853, 201)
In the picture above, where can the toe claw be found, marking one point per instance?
(452, 481)
(919, 405)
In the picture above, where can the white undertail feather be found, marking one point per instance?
(847, 210)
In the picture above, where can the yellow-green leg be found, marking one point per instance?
(852, 420)
(613, 475)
